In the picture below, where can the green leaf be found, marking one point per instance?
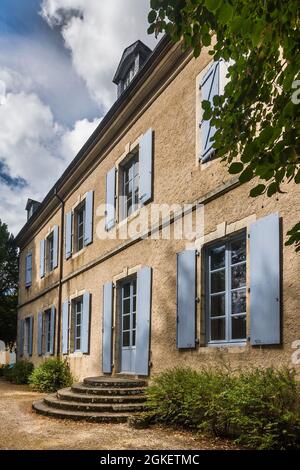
(236, 167)
(258, 190)
(212, 5)
(152, 16)
(297, 178)
(225, 13)
(272, 189)
(247, 175)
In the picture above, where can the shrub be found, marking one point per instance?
(18, 373)
(50, 376)
(257, 408)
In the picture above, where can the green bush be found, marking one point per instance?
(50, 376)
(19, 373)
(257, 408)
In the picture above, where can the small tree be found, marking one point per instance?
(8, 286)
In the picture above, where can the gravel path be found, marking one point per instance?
(21, 428)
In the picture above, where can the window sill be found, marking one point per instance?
(239, 344)
(76, 354)
(78, 253)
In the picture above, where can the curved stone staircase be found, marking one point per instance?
(96, 399)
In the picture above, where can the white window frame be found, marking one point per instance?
(228, 290)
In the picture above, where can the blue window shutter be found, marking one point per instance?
(110, 217)
(42, 258)
(143, 320)
(145, 167)
(85, 327)
(21, 337)
(30, 339)
(88, 226)
(68, 239)
(28, 270)
(209, 89)
(40, 333)
(186, 299)
(55, 246)
(52, 330)
(65, 327)
(107, 328)
(265, 281)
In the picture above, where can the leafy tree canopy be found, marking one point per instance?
(257, 118)
(8, 285)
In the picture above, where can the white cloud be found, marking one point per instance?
(36, 149)
(97, 33)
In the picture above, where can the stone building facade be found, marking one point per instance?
(107, 279)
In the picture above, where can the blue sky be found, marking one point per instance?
(57, 60)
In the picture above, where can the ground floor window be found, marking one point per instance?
(77, 307)
(27, 336)
(226, 290)
(47, 331)
(128, 312)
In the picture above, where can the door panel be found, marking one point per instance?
(128, 325)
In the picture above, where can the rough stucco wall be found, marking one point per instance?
(177, 179)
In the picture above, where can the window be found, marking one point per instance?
(79, 221)
(28, 270)
(226, 290)
(77, 316)
(128, 299)
(47, 331)
(50, 252)
(27, 336)
(130, 186)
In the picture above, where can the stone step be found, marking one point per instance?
(111, 382)
(107, 391)
(54, 402)
(93, 417)
(68, 395)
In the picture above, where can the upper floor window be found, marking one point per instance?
(79, 226)
(130, 186)
(49, 252)
(79, 222)
(28, 269)
(226, 290)
(212, 84)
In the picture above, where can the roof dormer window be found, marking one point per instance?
(131, 62)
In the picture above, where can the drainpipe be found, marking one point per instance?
(61, 258)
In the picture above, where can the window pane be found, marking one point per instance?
(126, 338)
(238, 251)
(126, 306)
(238, 325)
(133, 338)
(134, 286)
(218, 281)
(126, 290)
(238, 276)
(217, 305)
(134, 303)
(238, 301)
(133, 320)
(126, 322)
(217, 257)
(218, 329)
(78, 331)
(136, 168)
(77, 346)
